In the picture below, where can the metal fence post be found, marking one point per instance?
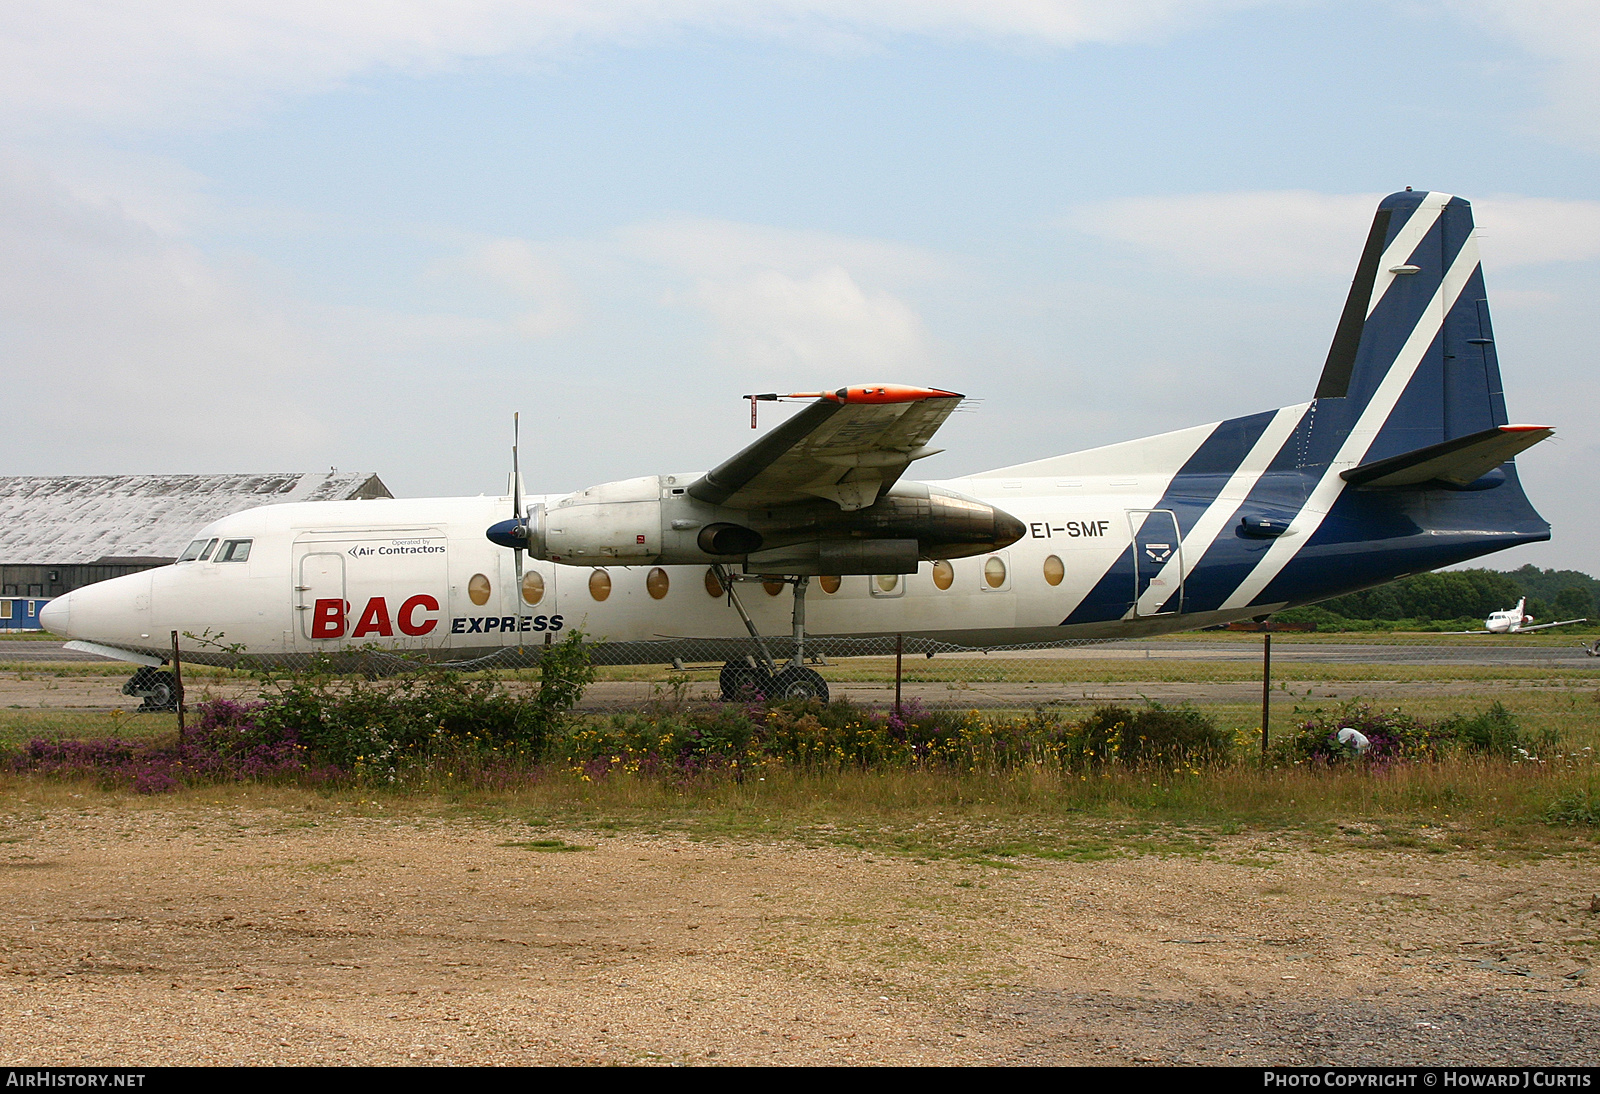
(177, 685)
(1266, 689)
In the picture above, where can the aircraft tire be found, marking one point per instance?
(139, 682)
(800, 683)
(161, 692)
(741, 682)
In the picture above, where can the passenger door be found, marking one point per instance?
(1157, 562)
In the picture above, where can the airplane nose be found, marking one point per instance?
(56, 616)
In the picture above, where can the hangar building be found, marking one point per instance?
(58, 533)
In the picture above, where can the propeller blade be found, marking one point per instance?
(522, 523)
(517, 555)
(516, 470)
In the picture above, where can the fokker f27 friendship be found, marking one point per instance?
(1400, 463)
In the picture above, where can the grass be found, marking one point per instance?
(993, 822)
(1565, 701)
(65, 723)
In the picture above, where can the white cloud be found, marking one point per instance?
(166, 62)
(1524, 231)
(1564, 38)
(784, 299)
(1300, 234)
(813, 326)
(531, 275)
(124, 338)
(720, 248)
(1272, 234)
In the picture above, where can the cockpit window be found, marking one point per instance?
(234, 550)
(197, 551)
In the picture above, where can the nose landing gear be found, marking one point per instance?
(156, 687)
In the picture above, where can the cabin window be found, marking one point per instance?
(886, 585)
(478, 590)
(773, 585)
(234, 550)
(656, 583)
(713, 586)
(944, 574)
(829, 583)
(994, 572)
(5, 609)
(532, 587)
(599, 584)
(1054, 570)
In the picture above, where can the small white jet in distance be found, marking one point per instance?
(1516, 621)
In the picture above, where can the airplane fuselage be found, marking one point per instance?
(1102, 556)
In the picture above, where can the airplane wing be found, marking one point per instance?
(847, 447)
(1542, 626)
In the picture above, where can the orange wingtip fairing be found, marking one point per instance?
(887, 393)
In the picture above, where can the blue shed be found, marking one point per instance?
(21, 613)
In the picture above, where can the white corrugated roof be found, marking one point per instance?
(72, 519)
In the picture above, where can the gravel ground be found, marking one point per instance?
(140, 932)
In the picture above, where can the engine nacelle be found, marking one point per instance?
(615, 520)
(652, 520)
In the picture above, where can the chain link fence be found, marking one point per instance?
(1548, 681)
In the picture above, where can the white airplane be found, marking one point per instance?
(1401, 463)
(1515, 621)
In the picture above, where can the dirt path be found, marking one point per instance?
(139, 932)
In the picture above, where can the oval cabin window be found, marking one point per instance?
(599, 584)
(773, 585)
(1054, 570)
(888, 582)
(656, 583)
(994, 572)
(532, 587)
(829, 582)
(713, 586)
(478, 590)
(944, 574)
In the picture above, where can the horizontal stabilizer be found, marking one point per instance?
(1459, 462)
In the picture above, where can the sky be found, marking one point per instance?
(242, 236)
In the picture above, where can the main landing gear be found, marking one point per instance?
(744, 680)
(156, 687)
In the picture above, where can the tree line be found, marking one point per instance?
(1462, 595)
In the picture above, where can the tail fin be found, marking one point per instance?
(1412, 362)
(1406, 447)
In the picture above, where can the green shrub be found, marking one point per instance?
(370, 726)
(1157, 736)
(1580, 807)
(1394, 735)
(1494, 732)
(1390, 734)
